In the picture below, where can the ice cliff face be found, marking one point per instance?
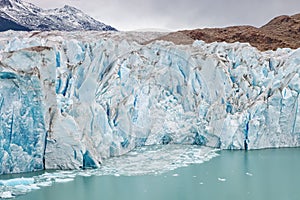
(69, 100)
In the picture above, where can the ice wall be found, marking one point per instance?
(24, 97)
(69, 100)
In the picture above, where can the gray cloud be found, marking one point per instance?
(179, 14)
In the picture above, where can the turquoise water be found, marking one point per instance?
(261, 174)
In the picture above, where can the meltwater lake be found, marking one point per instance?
(152, 173)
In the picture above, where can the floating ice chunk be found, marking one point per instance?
(249, 174)
(17, 181)
(6, 195)
(63, 180)
(222, 179)
(44, 184)
(26, 188)
(85, 174)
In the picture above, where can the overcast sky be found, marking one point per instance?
(178, 14)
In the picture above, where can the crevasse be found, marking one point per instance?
(69, 100)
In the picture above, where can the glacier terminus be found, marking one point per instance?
(69, 100)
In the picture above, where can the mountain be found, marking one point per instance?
(280, 32)
(19, 15)
(6, 24)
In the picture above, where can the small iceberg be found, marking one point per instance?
(249, 174)
(6, 195)
(17, 181)
(64, 180)
(222, 179)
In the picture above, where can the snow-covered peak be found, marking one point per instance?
(67, 18)
(17, 5)
(70, 8)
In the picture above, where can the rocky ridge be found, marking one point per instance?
(280, 32)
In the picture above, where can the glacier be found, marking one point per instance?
(70, 100)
